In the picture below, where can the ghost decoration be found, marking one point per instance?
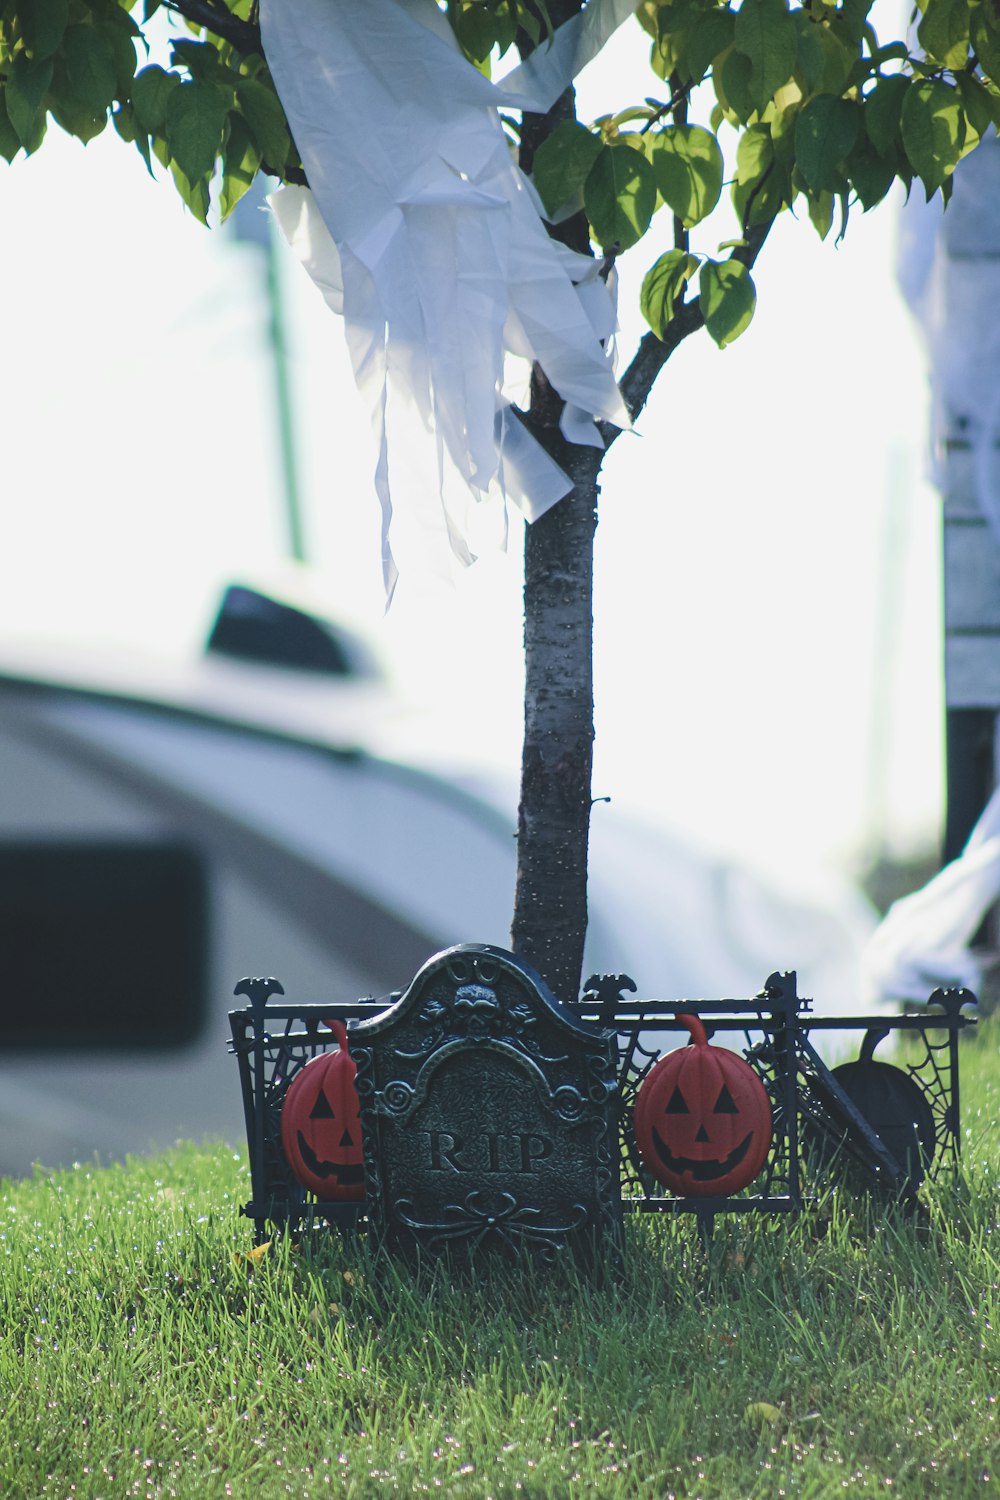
(924, 941)
(420, 230)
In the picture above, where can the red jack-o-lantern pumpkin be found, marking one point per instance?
(702, 1119)
(321, 1125)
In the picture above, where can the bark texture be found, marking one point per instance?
(550, 903)
(553, 824)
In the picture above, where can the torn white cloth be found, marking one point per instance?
(923, 940)
(423, 232)
(537, 83)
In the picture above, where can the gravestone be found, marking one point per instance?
(489, 1114)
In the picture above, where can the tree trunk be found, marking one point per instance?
(553, 824)
(550, 904)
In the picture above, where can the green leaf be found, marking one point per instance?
(821, 213)
(678, 15)
(506, 22)
(708, 36)
(728, 298)
(781, 118)
(202, 61)
(690, 36)
(475, 29)
(985, 37)
(981, 106)
(619, 196)
(123, 119)
(240, 160)
(118, 19)
(944, 32)
(761, 187)
(754, 154)
(850, 19)
(124, 56)
(688, 165)
(871, 175)
(661, 58)
(648, 16)
(882, 110)
(265, 120)
(662, 285)
(194, 195)
(27, 84)
(933, 128)
(892, 51)
(90, 68)
(732, 79)
(763, 1414)
(531, 24)
(76, 119)
(195, 119)
(151, 88)
(562, 163)
(10, 141)
(43, 25)
(629, 116)
(825, 132)
(766, 34)
(825, 62)
(142, 146)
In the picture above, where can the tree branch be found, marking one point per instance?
(215, 17)
(653, 353)
(682, 240)
(677, 100)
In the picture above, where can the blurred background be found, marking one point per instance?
(769, 700)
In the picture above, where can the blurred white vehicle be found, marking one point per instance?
(166, 831)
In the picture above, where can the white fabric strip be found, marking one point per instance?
(923, 939)
(537, 82)
(421, 229)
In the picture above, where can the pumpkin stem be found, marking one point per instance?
(698, 1033)
(340, 1032)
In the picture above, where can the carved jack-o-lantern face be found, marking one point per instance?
(321, 1125)
(702, 1119)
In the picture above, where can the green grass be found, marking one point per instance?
(851, 1352)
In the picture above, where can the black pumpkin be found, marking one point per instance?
(896, 1108)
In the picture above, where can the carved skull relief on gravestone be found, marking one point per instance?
(489, 1114)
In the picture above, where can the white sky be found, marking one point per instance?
(767, 602)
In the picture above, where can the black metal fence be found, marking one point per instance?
(886, 1125)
